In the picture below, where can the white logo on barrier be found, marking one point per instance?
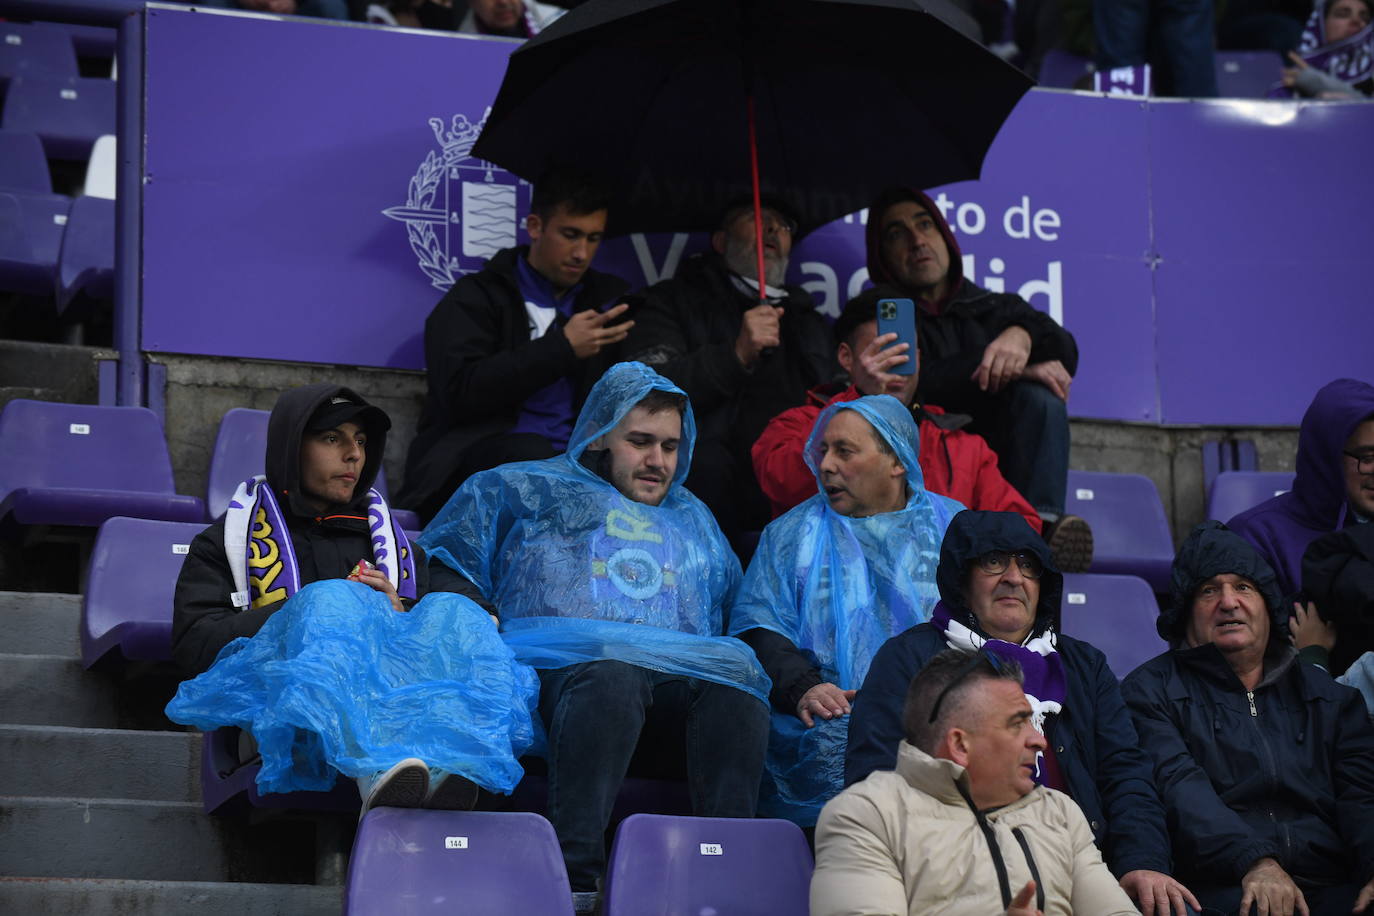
(712, 849)
(455, 842)
(79, 429)
(459, 211)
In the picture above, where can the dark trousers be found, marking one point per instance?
(1174, 36)
(595, 713)
(1028, 428)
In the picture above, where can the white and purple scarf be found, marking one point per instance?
(1350, 60)
(263, 561)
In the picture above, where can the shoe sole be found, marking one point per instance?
(402, 788)
(1071, 545)
(453, 793)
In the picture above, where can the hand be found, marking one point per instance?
(1269, 888)
(1156, 893)
(1308, 629)
(825, 700)
(1366, 895)
(1052, 375)
(760, 329)
(1023, 903)
(589, 330)
(1003, 359)
(1290, 74)
(877, 358)
(376, 579)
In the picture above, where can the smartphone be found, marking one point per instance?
(898, 316)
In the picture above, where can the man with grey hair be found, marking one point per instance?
(900, 841)
(743, 356)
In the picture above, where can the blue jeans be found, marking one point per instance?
(595, 712)
(1028, 427)
(1174, 36)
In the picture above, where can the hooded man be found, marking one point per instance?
(1264, 764)
(614, 581)
(999, 590)
(989, 355)
(741, 359)
(954, 463)
(830, 581)
(286, 609)
(1333, 488)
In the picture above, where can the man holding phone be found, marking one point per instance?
(986, 354)
(512, 350)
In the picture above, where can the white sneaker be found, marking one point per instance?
(405, 785)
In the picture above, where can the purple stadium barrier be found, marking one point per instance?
(1115, 614)
(67, 115)
(79, 464)
(23, 167)
(1235, 491)
(667, 865)
(127, 605)
(35, 51)
(1130, 532)
(410, 863)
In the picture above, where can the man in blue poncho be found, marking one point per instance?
(831, 581)
(613, 581)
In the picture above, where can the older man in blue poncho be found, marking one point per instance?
(613, 581)
(831, 581)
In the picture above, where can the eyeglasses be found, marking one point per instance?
(976, 660)
(1364, 461)
(995, 562)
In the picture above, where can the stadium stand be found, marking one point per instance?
(31, 228)
(36, 51)
(1235, 491)
(1247, 74)
(1114, 613)
(23, 167)
(68, 115)
(1130, 531)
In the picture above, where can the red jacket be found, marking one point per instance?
(954, 463)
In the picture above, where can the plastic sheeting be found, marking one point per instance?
(580, 572)
(838, 588)
(337, 681)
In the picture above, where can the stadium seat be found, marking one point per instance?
(1116, 614)
(128, 602)
(100, 168)
(1062, 70)
(68, 115)
(85, 265)
(35, 51)
(409, 862)
(79, 464)
(87, 40)
(1227, 455)
(1130, 531)
(1235, 491)
(240, 447)
(1247, 74)
(228, 784)
(23, 167)
(31, 228)
(667, 865)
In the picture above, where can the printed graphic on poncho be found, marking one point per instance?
(632, 559)
(459, 210)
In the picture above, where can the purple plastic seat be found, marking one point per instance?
(86, 264)
(229, 785)
(1227, 455)
(1130, 532)
(1116, 614)
(79, 464)
(1235, 491)
(87, 40)
(31, 228)
(68, 115)
(409, 862)
(128, 602)
(23, 167)
(35, 51)
(1247, 74)
(241, 447)
(743, 867)
(1062, 70)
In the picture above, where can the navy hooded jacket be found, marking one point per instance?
(1092, 738)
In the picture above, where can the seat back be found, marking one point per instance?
(68, 115)
(1235, 491)
(745, 867)
(1116, 614)
(409, 862)
(35, 51)
(240, 453)
(128, 601)
(1247, 74)
(23, 167)
(31, 228)
(1130, 531)
(86, 263)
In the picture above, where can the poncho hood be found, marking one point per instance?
(972, 534)
(1212, 549)
(891, 420)
(287, 426)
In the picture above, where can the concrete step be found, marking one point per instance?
(41, 623)
(67, 373)
(148, 841)
(56, 690)
(95, 897)
(37, 760)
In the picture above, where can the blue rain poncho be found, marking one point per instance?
(580, 572)
(337, 681)
(838, 588)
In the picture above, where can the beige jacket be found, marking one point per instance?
(906, 842)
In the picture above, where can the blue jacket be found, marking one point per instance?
(1093, 740)
(1284, 771)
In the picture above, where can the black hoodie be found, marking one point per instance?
(327, 545)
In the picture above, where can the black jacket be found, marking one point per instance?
(328, 546)
(685, 328)
(1285, 771)
(481, 366)
(1338, 574)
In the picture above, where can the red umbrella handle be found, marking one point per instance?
(758, 202)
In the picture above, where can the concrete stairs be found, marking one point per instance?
(100, 795)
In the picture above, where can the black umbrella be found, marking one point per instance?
(674, 103)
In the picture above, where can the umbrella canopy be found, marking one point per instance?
(653, 97)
